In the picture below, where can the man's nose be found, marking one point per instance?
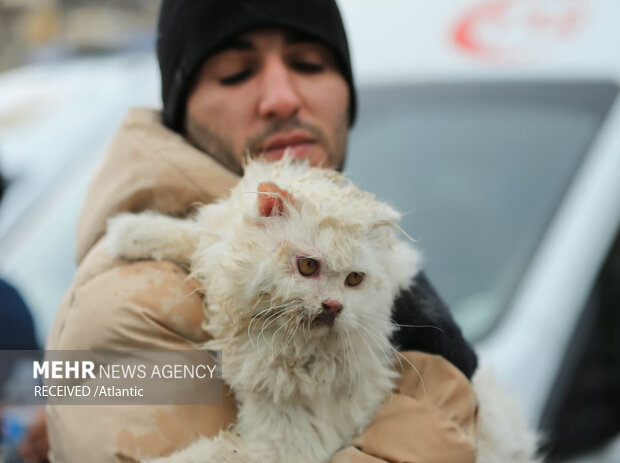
(280, 98)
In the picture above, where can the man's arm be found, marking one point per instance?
(115, 305)
(433, 413)
(428, 326)
(432, 416)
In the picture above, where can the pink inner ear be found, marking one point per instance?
(272, 202)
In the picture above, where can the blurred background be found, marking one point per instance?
(43, 30)
(493, 124)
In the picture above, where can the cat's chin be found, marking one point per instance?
(323, 321)
(320, 331)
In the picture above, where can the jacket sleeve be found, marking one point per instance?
(431, 417)
(142, 305)
(427, 325)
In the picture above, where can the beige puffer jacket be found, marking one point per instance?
(113, 304)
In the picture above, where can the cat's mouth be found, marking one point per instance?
(291, 316)
(323, 319)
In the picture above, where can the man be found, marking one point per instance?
(239, 78)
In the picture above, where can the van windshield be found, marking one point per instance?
(479, 171)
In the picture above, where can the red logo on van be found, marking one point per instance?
(516, 30)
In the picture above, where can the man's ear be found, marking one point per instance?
(271, 199)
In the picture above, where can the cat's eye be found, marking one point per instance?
(354, 279)
(307, 267)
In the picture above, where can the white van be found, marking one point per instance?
(499, 130)
(495, 124)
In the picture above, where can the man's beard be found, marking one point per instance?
(279, 126)
(213, 145)
(220, 150)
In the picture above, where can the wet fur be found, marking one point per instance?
(303, 391)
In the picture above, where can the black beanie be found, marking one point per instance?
(190, 30)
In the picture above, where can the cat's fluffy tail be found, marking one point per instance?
(504, 434)
(150, 235)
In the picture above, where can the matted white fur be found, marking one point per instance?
(304, 390)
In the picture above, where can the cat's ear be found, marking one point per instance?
(271, 199)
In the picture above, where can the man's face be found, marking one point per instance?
(265, 91)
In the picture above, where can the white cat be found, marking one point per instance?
(300, 270)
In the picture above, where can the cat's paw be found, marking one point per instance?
(149, 235)
(128, 236)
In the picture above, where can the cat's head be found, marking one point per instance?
(310, 253)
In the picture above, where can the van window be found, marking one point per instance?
(584, 410)
(479, 170)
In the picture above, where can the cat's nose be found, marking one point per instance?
(331, 306)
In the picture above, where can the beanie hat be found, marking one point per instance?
(190, 30)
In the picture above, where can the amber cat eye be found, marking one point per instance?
(354, 279)
(307, 267)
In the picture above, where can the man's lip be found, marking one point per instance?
(283, 140)
(298, 151)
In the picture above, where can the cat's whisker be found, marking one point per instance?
(292, 336)
(262, 313)
(400, 325)
(370, 342)
(379, 319)
(272, 318)
(275, 314)
(300, 319)
(307, 324)
(306, 321)
(374, 353)
(377, 338)
(387, 344)
(374, 338)
(290, 330)
(280, 306)
(379, 341)
(288, 325)
(261, 300)
(273, 337)
(254, 318)
(417, 326)
(303, 326)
